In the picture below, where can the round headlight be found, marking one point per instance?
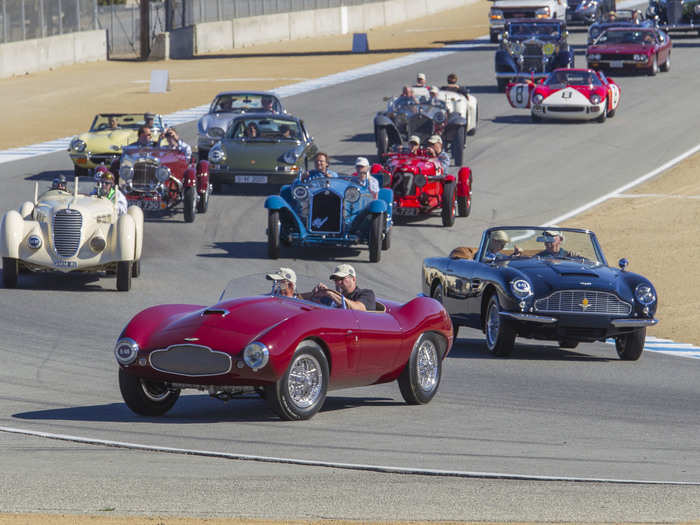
(420, 180)
(538, 98)
(517, 48)
(352, 194)
(126, 351)
(256, 355)
(521, 288)
(645, 294)
(216, 155)
(300, 193)
(640, 58)
(126, 172)
(594, 56)
(163, 173)
(215, 132)
(595, 99)
(78, 145)
(440, 117)
(548, 49)
(97, 243)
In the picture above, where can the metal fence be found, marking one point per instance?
(25, 19)
(123, 25)
(181, 13)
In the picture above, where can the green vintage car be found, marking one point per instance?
(261, 148)
(109, 133)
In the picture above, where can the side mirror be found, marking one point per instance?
(623, 263)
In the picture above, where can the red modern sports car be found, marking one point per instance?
(421, 185)
(645, 49)
(288, 350)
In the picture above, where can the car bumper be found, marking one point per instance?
(221, 175)
(92, 160)
(589, 112)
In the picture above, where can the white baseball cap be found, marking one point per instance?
(343, 270)
(421, 76)
(435, 139)
(414, 138)
(361, 161)
(283, 274)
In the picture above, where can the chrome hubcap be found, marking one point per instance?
(305, 381)
(493, 325)
(427, 365)
(154, 391)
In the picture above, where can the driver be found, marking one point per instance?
(59, 183)
(321, 165)
(346, 287)
(107, 189)
(284, 282)
(552, 245)
(144, 137)
(440, 155)
(176, 143)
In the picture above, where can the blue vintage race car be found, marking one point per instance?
(330, 211)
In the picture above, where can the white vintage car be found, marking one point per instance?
(67, 232)
(503, 10)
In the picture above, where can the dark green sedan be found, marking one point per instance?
(261, 149)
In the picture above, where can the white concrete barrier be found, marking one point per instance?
(39, 54)
(213, 36)
(260, 30)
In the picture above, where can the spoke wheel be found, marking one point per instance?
(420, 378)
(500, 336)
(301, 392)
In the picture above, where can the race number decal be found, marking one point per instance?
(519, 95)
(566, 94)
(614, 95)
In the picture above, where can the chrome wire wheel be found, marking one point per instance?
(427, 365)
(155, 391)
(305, 383)
(493, 325)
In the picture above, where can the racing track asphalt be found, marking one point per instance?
(545, 411)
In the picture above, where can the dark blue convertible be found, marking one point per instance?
(542, 283)
(329, 211)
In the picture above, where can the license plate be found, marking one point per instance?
(616, 63)
(146, 205)
(81, 160)
(65, 264)
(251, 179)
(406, 211)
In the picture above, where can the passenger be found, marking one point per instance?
(251, 130)
(267, 104)
(149, 120)
(284, 282)
(413, 144)
(107, 190)
(285, 132)
(365, 179)
(436, 150)
(59, 183)
(321, 168)
(113, 122)
(225, 104)
(497, 241)
(434, 98)
(552, 245)
(420, 81)
(176, 143)
(346, 288)
(452, 84)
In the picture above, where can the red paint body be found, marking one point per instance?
(362, 348)
(659, 48)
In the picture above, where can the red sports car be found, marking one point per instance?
(421, 185)
(288, 350)
(631, 49)
(159, 177)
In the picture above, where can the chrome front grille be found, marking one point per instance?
(190, 360)
(532, 50)
(67, 224)
(533, 64)
(144, 176)
(583, 302)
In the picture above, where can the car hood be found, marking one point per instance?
(620, 48)
(87, 205)
(521, 3)
(216, 120)
(254, 155)
(103, 140)
(227, 326)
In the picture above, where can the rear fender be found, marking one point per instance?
(11, 234)
(137, 215)
(464, 182)
(125, 246)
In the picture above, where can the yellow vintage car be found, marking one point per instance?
(109, 133)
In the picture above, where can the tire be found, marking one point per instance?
(604, 115)
(420, 379)
(386, 240)
(500, 336)
(10, 272)
(144, 397)
(301, 391)
(612, 112)
(136, 268)
(568, 344)
(375, 237)
(448, 204)
(494, 38)
(502, 83)
(124, 276)
(654, 69)
(472, 132)
(273, 234)
(666, 66)
(190, 202)
(630, 346)
(458, 144)
(464, 205)
(203, 202)
(382, 139)
(80, 172)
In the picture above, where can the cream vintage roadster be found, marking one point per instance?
(67, 232)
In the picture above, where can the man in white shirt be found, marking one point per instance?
(362, 172)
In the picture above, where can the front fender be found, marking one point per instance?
(275, 202)
(11, 234)
(136, 214)
(125, 246)
(382, 121)
(464, 182)
(378, 206)
(189, 178)
(504, 63)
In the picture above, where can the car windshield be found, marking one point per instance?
(403, 102)
(520, 30)
(260, 128)
(106, 122)
(622, 15)
(259, 284)
(245, 102)
(572, 78)
(626, 37)
(516, 243)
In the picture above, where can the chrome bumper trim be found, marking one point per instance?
(633, 323)
(530, 318)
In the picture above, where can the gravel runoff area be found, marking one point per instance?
(653, 224)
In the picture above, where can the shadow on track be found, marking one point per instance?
(258, 250)
(471, 348)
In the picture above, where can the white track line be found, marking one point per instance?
(330, 464)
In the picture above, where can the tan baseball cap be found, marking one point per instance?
(435, 139)
(414, 138)
(343, 270)
(361, 161)
(283, 274)
(421, 76)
